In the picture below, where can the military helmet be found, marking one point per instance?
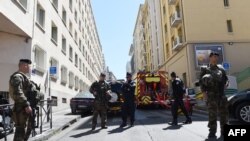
(207, 80)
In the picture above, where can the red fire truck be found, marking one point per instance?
(151, 88)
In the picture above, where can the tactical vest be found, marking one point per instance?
(218, 80)
(25, 85)
(101, 89)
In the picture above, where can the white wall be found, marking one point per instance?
(12, 49)
(23, 19)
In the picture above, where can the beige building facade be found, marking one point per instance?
(191, 29)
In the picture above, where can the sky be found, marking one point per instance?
(115, 21)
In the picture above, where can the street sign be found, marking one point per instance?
(226, 66)
(52, 70)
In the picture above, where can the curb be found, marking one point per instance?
(201, 110)
(51, 132)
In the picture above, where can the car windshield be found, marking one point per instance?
(84, 95)
(244, 91)
(191, 92)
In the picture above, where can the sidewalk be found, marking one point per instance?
(60, 120)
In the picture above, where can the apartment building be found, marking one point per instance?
(52, 33)
(147, 37)
(138, 46)
(192, 28)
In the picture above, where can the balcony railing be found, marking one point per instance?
(175, 19)
(177, 43)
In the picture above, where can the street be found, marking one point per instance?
(150, 125)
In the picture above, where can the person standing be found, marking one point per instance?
(19, 87)
(213, 81)
(178, 92)
(100, 89)
(128, 106)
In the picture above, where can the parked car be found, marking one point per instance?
(239, 106)
(83, 101)
(190, 92)
(116, 100)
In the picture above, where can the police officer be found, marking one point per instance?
(101, 91)
(213, 81)
(128, 107)
(178, 92)
(19, 86)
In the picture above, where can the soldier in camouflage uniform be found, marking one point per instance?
(19, 86)
(213, 80)
(101, 92)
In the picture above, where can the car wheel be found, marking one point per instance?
(243, 112)
(73, 111)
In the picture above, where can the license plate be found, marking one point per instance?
(82, 106)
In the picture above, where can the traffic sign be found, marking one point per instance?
(52, 70)
(226, 66)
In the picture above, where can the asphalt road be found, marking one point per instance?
(150, 125)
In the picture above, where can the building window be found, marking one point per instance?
(64, 16)
(70, 28)
(86, 72)
(54, 63)
(83, 49)
(23, 4)
(184, 77)
(164, 10)
(75, 16)
(54, 100)
(64, 75)
(80, 6)
(64, 100)
(229, 26)
(54, 33)
(81, 85)
(76, 37)
(40, 59)
(166, 28)
(80, 25)
(71, 79)
(83, 69)
(80, 45)
(64, 45)
(80, 65)
(55, 4)
(70, 53)
(76, 60)
(76, 83)
(226, 3)
(40, 16)
(70, 5)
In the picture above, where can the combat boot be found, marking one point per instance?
(123, 125)
(93, 128)
(211, 135)
(174, 123)
(188, 121)
(104, 127)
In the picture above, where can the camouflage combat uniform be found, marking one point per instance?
(101, 102)
(19, 86)
(216, 99)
